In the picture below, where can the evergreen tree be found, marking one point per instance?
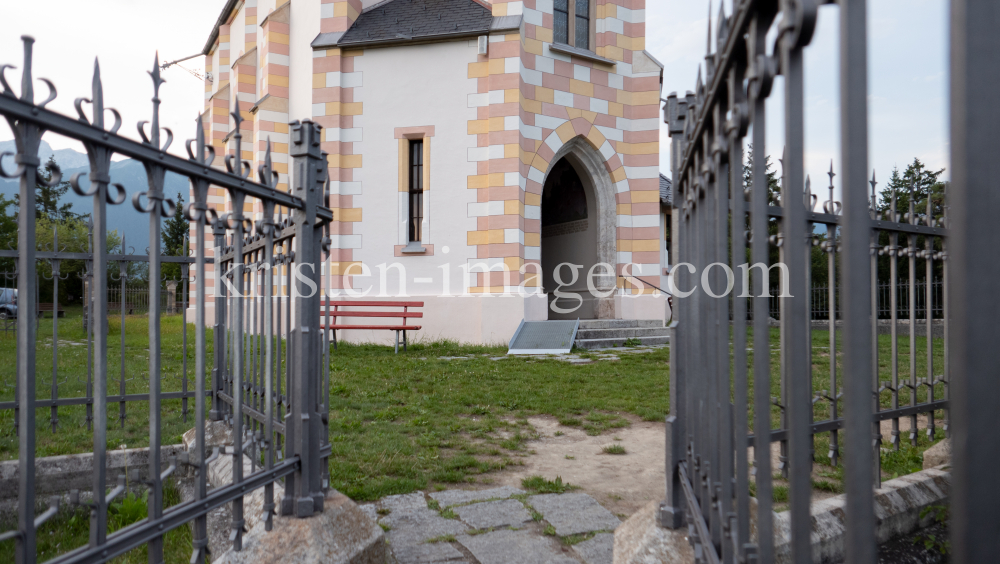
(8, 232)
(926, 184)
(175, 229)
(48, 198)
(773, 197)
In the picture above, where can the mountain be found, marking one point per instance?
(129, 173)
(67, 158)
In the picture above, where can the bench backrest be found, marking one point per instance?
(334, 310)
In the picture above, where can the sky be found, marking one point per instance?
(907, 69)
(907, 82)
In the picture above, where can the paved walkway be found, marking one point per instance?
(497, 526)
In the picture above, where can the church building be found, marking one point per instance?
(496, 160)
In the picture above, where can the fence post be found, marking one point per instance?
(671, 510)
(304, 490)
(217, 413)
(972, 297)
(171, 296)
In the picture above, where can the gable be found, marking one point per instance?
(409, 20)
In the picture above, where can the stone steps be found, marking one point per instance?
(619, 323)
(609, 333)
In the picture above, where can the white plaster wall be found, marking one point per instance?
(413, 86)
(264, 7)
(237, 38)
(303, 29)
(472, 320)
(645, 306)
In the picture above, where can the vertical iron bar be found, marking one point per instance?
(219, 329)
(238, 352)
(760, 249)
(894, 316)
(911, 252)
(28, 138)
(123, 270)
(972, 295)
(88, 322)
(929, 311)
(858, 271)
(796, 347)
(269, 360)
(54, 416)
(735, 130)
(199, 205)
(157, 209)
(185, 275)
(831, 236)
(873, 252)
(100, 158)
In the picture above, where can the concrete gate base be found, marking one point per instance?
(899, 505)
(342, 534)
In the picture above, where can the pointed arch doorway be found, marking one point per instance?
(578, 234)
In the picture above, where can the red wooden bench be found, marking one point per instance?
(48, 307)
(335, 308)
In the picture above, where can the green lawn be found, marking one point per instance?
(72, 434)
(415, 420)
(70, 529)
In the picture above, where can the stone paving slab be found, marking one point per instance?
(598, 550)
(520, 547)
(494, 514)
(574, 513)
(448, 498)
(404, 502)
(411, 528)
(422, 524)
(425, 553)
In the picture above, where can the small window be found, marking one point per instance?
(560, 21)
(583, 24)
(416, 199)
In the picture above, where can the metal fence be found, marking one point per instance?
(820, 301)
(221, 382)
(708, 484)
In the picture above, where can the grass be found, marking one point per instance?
(70, 529)
(614, 449)
(72, 434)
(541, 485)
(895, 463)
(398, 423)
(415, 421)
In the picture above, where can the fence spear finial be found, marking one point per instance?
(98, 96)
(27, 89)
(157, 81)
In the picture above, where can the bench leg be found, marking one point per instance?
(397, 342)
(404, 340)
(334, 331)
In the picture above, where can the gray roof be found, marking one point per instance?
(666, 191)
(406, 21)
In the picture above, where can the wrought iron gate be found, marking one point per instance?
(245, 365)
(708, 471)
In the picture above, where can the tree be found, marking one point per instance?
(925, 184)
(174, 234)
(773, 194)
(8, 232)
(773, 184)
(47, 198)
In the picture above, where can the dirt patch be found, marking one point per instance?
(623, 483)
